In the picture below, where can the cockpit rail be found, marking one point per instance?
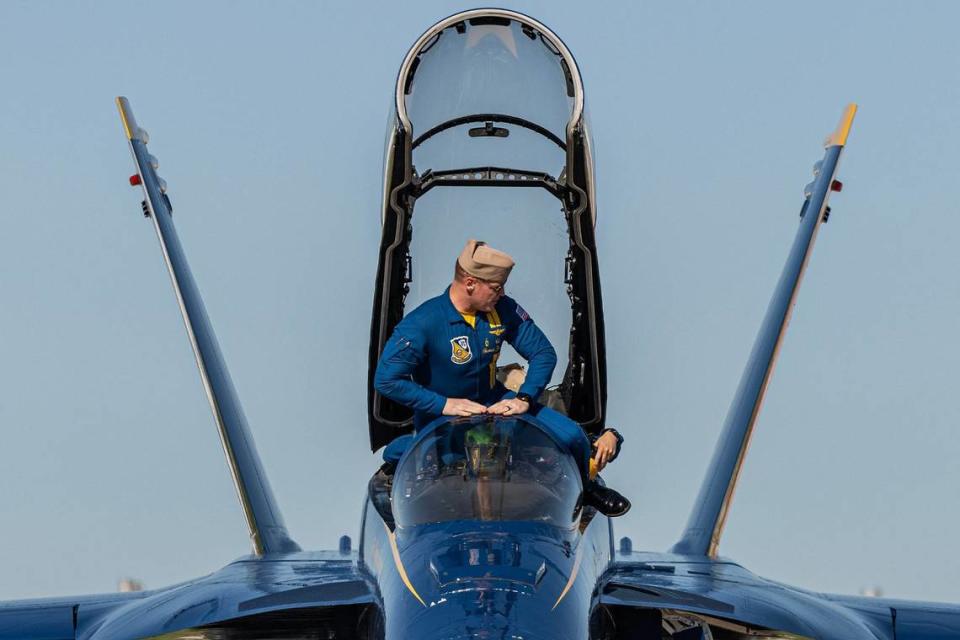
(487, 177)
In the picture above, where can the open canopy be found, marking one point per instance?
(488, 140)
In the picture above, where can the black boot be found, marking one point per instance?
(605, 500)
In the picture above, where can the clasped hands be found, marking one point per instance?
(463, 407)
(604, 448)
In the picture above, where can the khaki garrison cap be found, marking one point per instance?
(485, 262)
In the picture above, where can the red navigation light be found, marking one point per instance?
(836, 185)
(135, 180)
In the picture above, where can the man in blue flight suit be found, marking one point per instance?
(442, 360)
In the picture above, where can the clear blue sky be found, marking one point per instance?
(268, 121)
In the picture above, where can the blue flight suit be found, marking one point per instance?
(435, 354)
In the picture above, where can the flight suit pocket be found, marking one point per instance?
(400, 351)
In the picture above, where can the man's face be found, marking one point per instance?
(486, 294)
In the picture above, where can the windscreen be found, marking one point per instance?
(487, 470)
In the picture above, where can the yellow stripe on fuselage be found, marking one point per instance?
(573, 575)
(391, 536)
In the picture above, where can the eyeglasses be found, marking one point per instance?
(496, 287)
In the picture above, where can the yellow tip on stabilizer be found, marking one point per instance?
(129, 122)
(839, 135)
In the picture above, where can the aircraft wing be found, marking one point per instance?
(910, 620)
(675, 590)
(317, 593)
(722, 595)
(54, 618)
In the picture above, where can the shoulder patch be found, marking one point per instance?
(524, 316)
(461, 353)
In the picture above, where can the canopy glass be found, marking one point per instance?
(487, 469)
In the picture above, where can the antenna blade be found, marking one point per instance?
(268, 533)
(705, 525)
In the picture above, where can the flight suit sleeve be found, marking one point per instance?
(531, 343)
(404, 352)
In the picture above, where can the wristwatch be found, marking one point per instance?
(525, 397)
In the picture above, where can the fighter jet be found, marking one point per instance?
(483, 533)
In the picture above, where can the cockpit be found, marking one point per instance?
(486, 469)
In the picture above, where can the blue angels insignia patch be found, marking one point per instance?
(461, 350)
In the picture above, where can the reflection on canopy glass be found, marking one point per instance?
(489, 68)
(486, 469)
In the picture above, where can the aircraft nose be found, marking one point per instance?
(491, 634)
(490, 609)
(490, 631)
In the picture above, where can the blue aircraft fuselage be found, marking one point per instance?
(470, 579)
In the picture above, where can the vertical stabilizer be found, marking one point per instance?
(268, 533)
(705, 526)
